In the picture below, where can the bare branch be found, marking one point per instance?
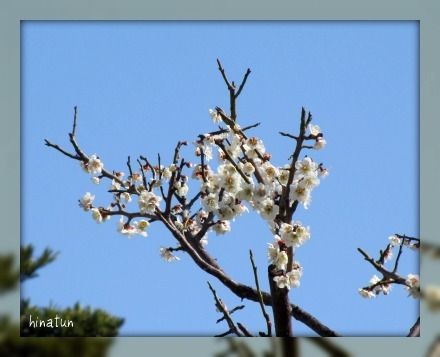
(74, 120)
(221, 307)
(396, 264)
(239, 307)
(144, 179)
(243, 82)
(288, 135)
(210, 265)
(58, 148)
(379, 267)
(129, 166)
(415, 329)
(222, 71)
(244, 330)
(260, 297)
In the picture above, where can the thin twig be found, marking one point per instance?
(398, 257)
(243, 82)
(415, 329)
(260, 297)
(219, 304)
(379, 267)
(288, 135)
(74, 120)
(243, 329)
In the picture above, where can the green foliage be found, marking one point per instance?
(8, 274)
(86, 322)
(12, 345)
(29, 266)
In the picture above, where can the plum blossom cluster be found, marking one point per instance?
(244, 179)
(247, 179)
(233, 174)
(390, 276)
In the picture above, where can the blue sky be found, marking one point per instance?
(142, 86)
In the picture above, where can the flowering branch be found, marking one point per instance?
(275, 196)
(281, 309)
(389, 277)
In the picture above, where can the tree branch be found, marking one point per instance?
(280, 306)
(415, 329)
(209, 265)
(260, 297)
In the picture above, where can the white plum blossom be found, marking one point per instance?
(226, 213)
(269, 172)
(300, 193)
(294, 275)
(94, 165)
(126, 197)
(314, 129)
(367, 293)
(374, 279)
(290, 279)
(234, 149)
(142, 225)
(136, 177)
(96, 180)
(240, 208)
(206, 149)
(388, 255)
(260, 192)
(282, 281)
(385, 288)
(134, 228)
(181, 189)
(284, 175)
(309, 182)
(115, 185)
(320, 143)
(166, 173)
(294, 235)
(201, 217)
(210, 202)
(86, 201)
(248, 168)
(96, 215)
(216, 118)
(413, 285)
(226, 169)
(276, 256)
(322, 171)
(268, 209)
(246, 193)
(394, 240)
(253, 147)
(167, 255)
(231, 182)
(148, 202)
(221, 227)
(306, 167)
(204, 241)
